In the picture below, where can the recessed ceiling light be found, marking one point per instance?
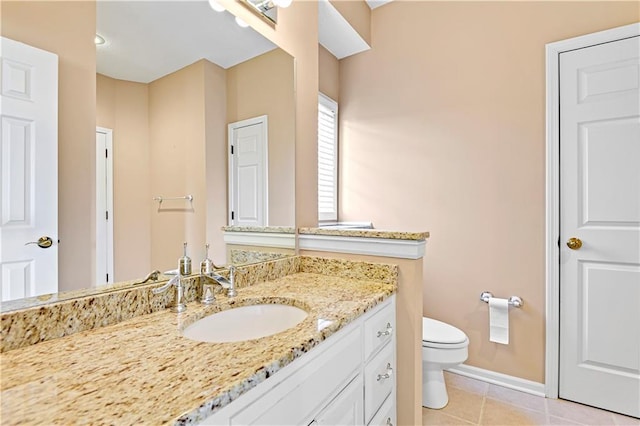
(98, 40)
(216, 6)
(242, 23)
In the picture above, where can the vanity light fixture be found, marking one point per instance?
(241, 22)
(99, 40)
(216, 6)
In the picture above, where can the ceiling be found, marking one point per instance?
(377, 3)
(146, 40)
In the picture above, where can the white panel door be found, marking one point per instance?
(104, 206)
(600, 206)
(248, 172)
(29, 171)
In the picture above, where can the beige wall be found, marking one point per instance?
(328, 74)
(215, 93)
(178, 153)
(409, 332)
(444, 120)
(172, 131)
(67, 29)
(264, 85)
(123, 107)
(358, 14)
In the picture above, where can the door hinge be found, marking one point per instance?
(106, 153)
(107, 215)
(232, 215)
(231, 149)
(107, 277)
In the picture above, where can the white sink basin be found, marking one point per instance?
(245, 323)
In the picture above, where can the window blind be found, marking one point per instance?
(327, 159)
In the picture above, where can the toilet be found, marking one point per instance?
(443, 346)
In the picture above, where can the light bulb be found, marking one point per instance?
(282, 3)
(216, 6)
(242, 23)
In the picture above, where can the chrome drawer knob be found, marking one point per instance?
(386, 375)
(387, 332)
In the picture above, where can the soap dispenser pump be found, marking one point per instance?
(185, 263)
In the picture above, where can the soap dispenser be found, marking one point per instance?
(185, 263)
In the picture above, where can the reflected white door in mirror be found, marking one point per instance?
(104, 206)
(29, 171)
(248, 172)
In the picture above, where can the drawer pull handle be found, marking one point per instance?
(387, 332)
(389, 422)
(387, 374)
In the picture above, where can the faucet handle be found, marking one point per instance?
(165, 287)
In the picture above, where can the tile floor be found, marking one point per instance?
(473, 402)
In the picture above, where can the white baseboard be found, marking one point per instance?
(504, 380)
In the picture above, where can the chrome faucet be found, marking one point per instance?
(208, 296)
(176, 281)
(228, 284)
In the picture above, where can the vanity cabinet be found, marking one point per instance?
(349, 379)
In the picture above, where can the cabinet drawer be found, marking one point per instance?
(345, 409)
(379, 380)
(386, 415)
(296, 399)
(379, 329)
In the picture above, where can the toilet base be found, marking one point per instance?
(434, 389)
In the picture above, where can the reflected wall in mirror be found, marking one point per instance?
(169, 79)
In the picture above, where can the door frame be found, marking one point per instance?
(107, 239)
(552, 248)
(264, 120)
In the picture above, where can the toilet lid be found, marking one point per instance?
(439, 332)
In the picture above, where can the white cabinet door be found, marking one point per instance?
(600, 205)
(345, 409)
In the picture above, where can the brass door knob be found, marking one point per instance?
(574, 243)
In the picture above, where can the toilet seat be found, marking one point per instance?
(437, 334)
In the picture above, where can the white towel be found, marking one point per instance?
(499, 320)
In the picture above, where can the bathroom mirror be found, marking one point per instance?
(171, 77)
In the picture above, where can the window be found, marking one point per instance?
(327, 159)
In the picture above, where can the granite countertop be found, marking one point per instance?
(142, 371)
(366, 233)
(266, 229)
